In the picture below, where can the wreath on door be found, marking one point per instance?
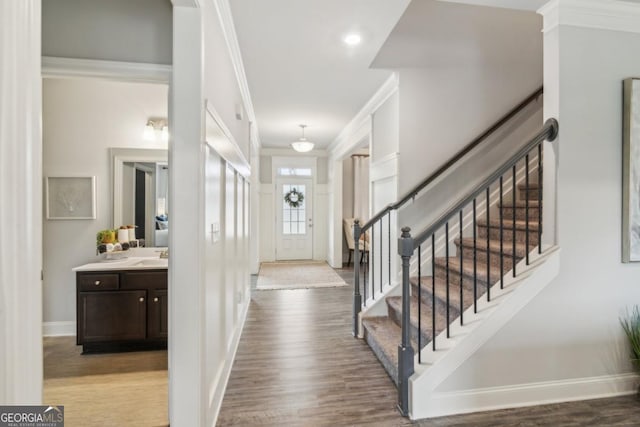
(294, 198)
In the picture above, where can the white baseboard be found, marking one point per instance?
(59, 329)
(521, 395)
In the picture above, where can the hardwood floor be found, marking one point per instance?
(115, 389)
(298, 365)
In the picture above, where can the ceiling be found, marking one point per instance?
(450, 34)
(300, 71)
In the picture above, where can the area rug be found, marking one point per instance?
(297, 275)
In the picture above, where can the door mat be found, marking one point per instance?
(297, 275)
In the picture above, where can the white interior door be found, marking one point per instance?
(294, 219)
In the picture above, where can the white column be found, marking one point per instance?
(551, 78)
(186, 239)
(20, 203)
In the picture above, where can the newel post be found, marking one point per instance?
(357, 298)
(405, 351)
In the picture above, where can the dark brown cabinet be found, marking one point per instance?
(122, 310)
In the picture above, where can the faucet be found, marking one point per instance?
(165, 253)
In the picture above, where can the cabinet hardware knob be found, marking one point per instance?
(141, 299)
(155, 299)
(97, 282)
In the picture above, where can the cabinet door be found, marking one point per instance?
(158, 326)
(112, 316)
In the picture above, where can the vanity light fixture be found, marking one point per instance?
(302, 145)
(156, 130)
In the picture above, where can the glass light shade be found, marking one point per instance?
(302, 145)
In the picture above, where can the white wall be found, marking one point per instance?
(115, 30)
(209, 204)
(82, 119)
(220, 84)
(569, 338)
(443, 109)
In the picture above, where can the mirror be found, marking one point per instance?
(140, 193)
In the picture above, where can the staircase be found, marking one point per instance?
(476, 263)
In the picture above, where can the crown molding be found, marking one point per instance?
(362, 120)
(613, 15)
(229, 31)
(110, 70)
(186, 3)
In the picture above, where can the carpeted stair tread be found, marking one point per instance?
(467, 268)
(494, 246)
(507, 224)
(383, 336)
(532, 186)
(520, 204)
(395, 312)
(441, 294)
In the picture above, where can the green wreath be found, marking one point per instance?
(294, 198)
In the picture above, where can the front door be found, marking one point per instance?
(294, 220)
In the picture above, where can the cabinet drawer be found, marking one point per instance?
(144, 280)
(98, 282)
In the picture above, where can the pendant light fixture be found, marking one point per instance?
(303, 145)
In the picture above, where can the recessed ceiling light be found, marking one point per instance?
(352, 39)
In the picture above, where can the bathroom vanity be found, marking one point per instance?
(122, 305)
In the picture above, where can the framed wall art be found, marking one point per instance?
(70, 197)
(631, 171)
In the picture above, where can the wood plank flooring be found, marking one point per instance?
(298, 365)
(116, 389)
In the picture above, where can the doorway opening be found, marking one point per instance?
(294, 213)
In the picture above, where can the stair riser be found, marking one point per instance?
(494, 258)
(396, 316)
(441, 303)
(386, 362)
(507, 213)
(532, 193)
(507, 233)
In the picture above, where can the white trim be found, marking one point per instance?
(229, 32)
(220, 386)
(219, 137)
(59, 329)
(345, 139)
(611, 15)
(186, 3)
(385, 167)
(521, 395)
(110, 70)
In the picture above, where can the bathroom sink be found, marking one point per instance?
(152, 262)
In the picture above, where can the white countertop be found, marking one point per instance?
(131, 263)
